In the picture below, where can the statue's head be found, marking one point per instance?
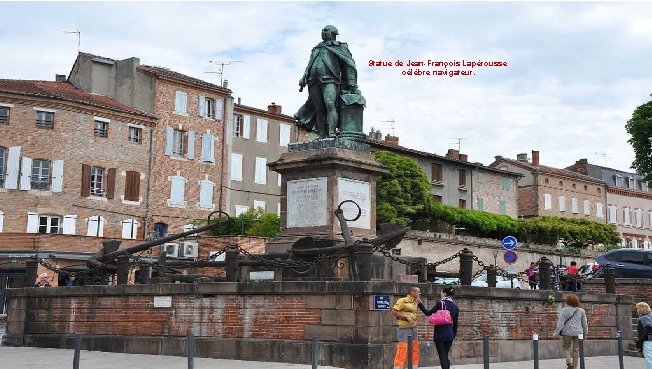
(329, 32)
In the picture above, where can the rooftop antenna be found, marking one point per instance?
(459, 142)
(221, 64)
(78, 33)
(604, 156)
(391, 122)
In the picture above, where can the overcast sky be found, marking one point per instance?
(575, 71)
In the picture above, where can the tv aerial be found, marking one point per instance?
(459, 142)
(392, 124)
(78, 33)
(220, 64)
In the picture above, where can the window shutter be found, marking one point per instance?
(26, 173)
(86, 180)
(13, 167)
(169, 140)
(479, 204)
(208, 148)
(69, 224)
(202, 107)
(258, 204)
(206, 194)
(547, 200)
(246, 126)
(177, 190)
(219, 108)
(261, 130)
(587, 207)
(32, 222)
(612, 214)
(260, 176)
(190, 154)
(502, 207)
(236, 167)
(129, 229)
(562, 203)
(2, 219)
(132, 186)
(95, 226)
(574, 205)
(639, 218)
(279, 180)
(110, 183)
(598, 210)
(57, 176)
(284, 134)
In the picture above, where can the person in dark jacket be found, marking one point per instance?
(644, 330)
(444, 334)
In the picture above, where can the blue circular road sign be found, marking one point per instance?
(509, 243)
(510, 257)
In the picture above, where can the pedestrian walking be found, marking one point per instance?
(444, 334)
(405, 310)
(571, 323)
(644, 329)
(572, 275)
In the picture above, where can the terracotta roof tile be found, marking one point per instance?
(167, 73)
(550, 170)
(67, 92)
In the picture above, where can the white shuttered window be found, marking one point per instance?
(547, 201)
(95, 226)
(575, 206)
(206, 194)
(613, 212)
(562, 203)
(261, 171)
(599, 210)
(261, 130)
(57, 176)
(69, 224)
(130, 229)
(181, 102)
(177, 191)
(13, 167)
(587, 207)
(2, 220)
(246, 126)
(208, 148)
(236, 167)
(284, 134)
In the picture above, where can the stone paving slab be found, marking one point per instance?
(46, 358)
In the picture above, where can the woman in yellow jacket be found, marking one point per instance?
(405, 311)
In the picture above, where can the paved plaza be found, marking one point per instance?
(29, 357)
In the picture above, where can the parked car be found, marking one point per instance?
(501, 282)
(446, 281)
(628, 263)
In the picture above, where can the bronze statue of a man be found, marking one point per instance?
(330, 71)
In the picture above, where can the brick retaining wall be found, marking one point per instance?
(274, 321)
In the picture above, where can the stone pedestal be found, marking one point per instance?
(315, 178)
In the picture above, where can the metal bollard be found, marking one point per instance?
(466, 267)
(485, 351)
(621, 351)
(580, 338)
(609, 279)
(314, 352)
(545, 266)
(535, 349)
(491, 276)
(75, 359)
(191, 351)
(409, 352)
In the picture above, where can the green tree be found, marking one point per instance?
(640, 130)
(402, 195)
(251, 223)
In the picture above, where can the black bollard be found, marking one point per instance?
(621, 351)
(581, 341)
(364, 251)
(123, 269)
(314, 352)
(466, 267)
(409, 351)
(31, 269)
(191, 351)
(609, 279)
(75, 359)
(485, 351)
(231, 260)
(535, 350)
(544, 273)
(491, 276)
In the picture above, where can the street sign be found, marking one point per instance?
(382, 302)
(509, 243)
(510, 257)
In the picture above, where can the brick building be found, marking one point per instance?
(71, 163)
(455, 181)
(188, 160)
(548, 191)
(629, 202)
(256, 137)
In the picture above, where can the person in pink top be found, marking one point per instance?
(572, 274)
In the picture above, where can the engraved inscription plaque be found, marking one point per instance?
(358, 191)
(306, 202)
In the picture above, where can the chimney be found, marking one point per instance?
(582, 166)
(522, 157)
(453, 154)
(464, 157)
(273, 108)
(535, 158)
(60, 78)
(372, 133)
(225, 84)
(391, 139)
(239, 101)
(379, 135)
